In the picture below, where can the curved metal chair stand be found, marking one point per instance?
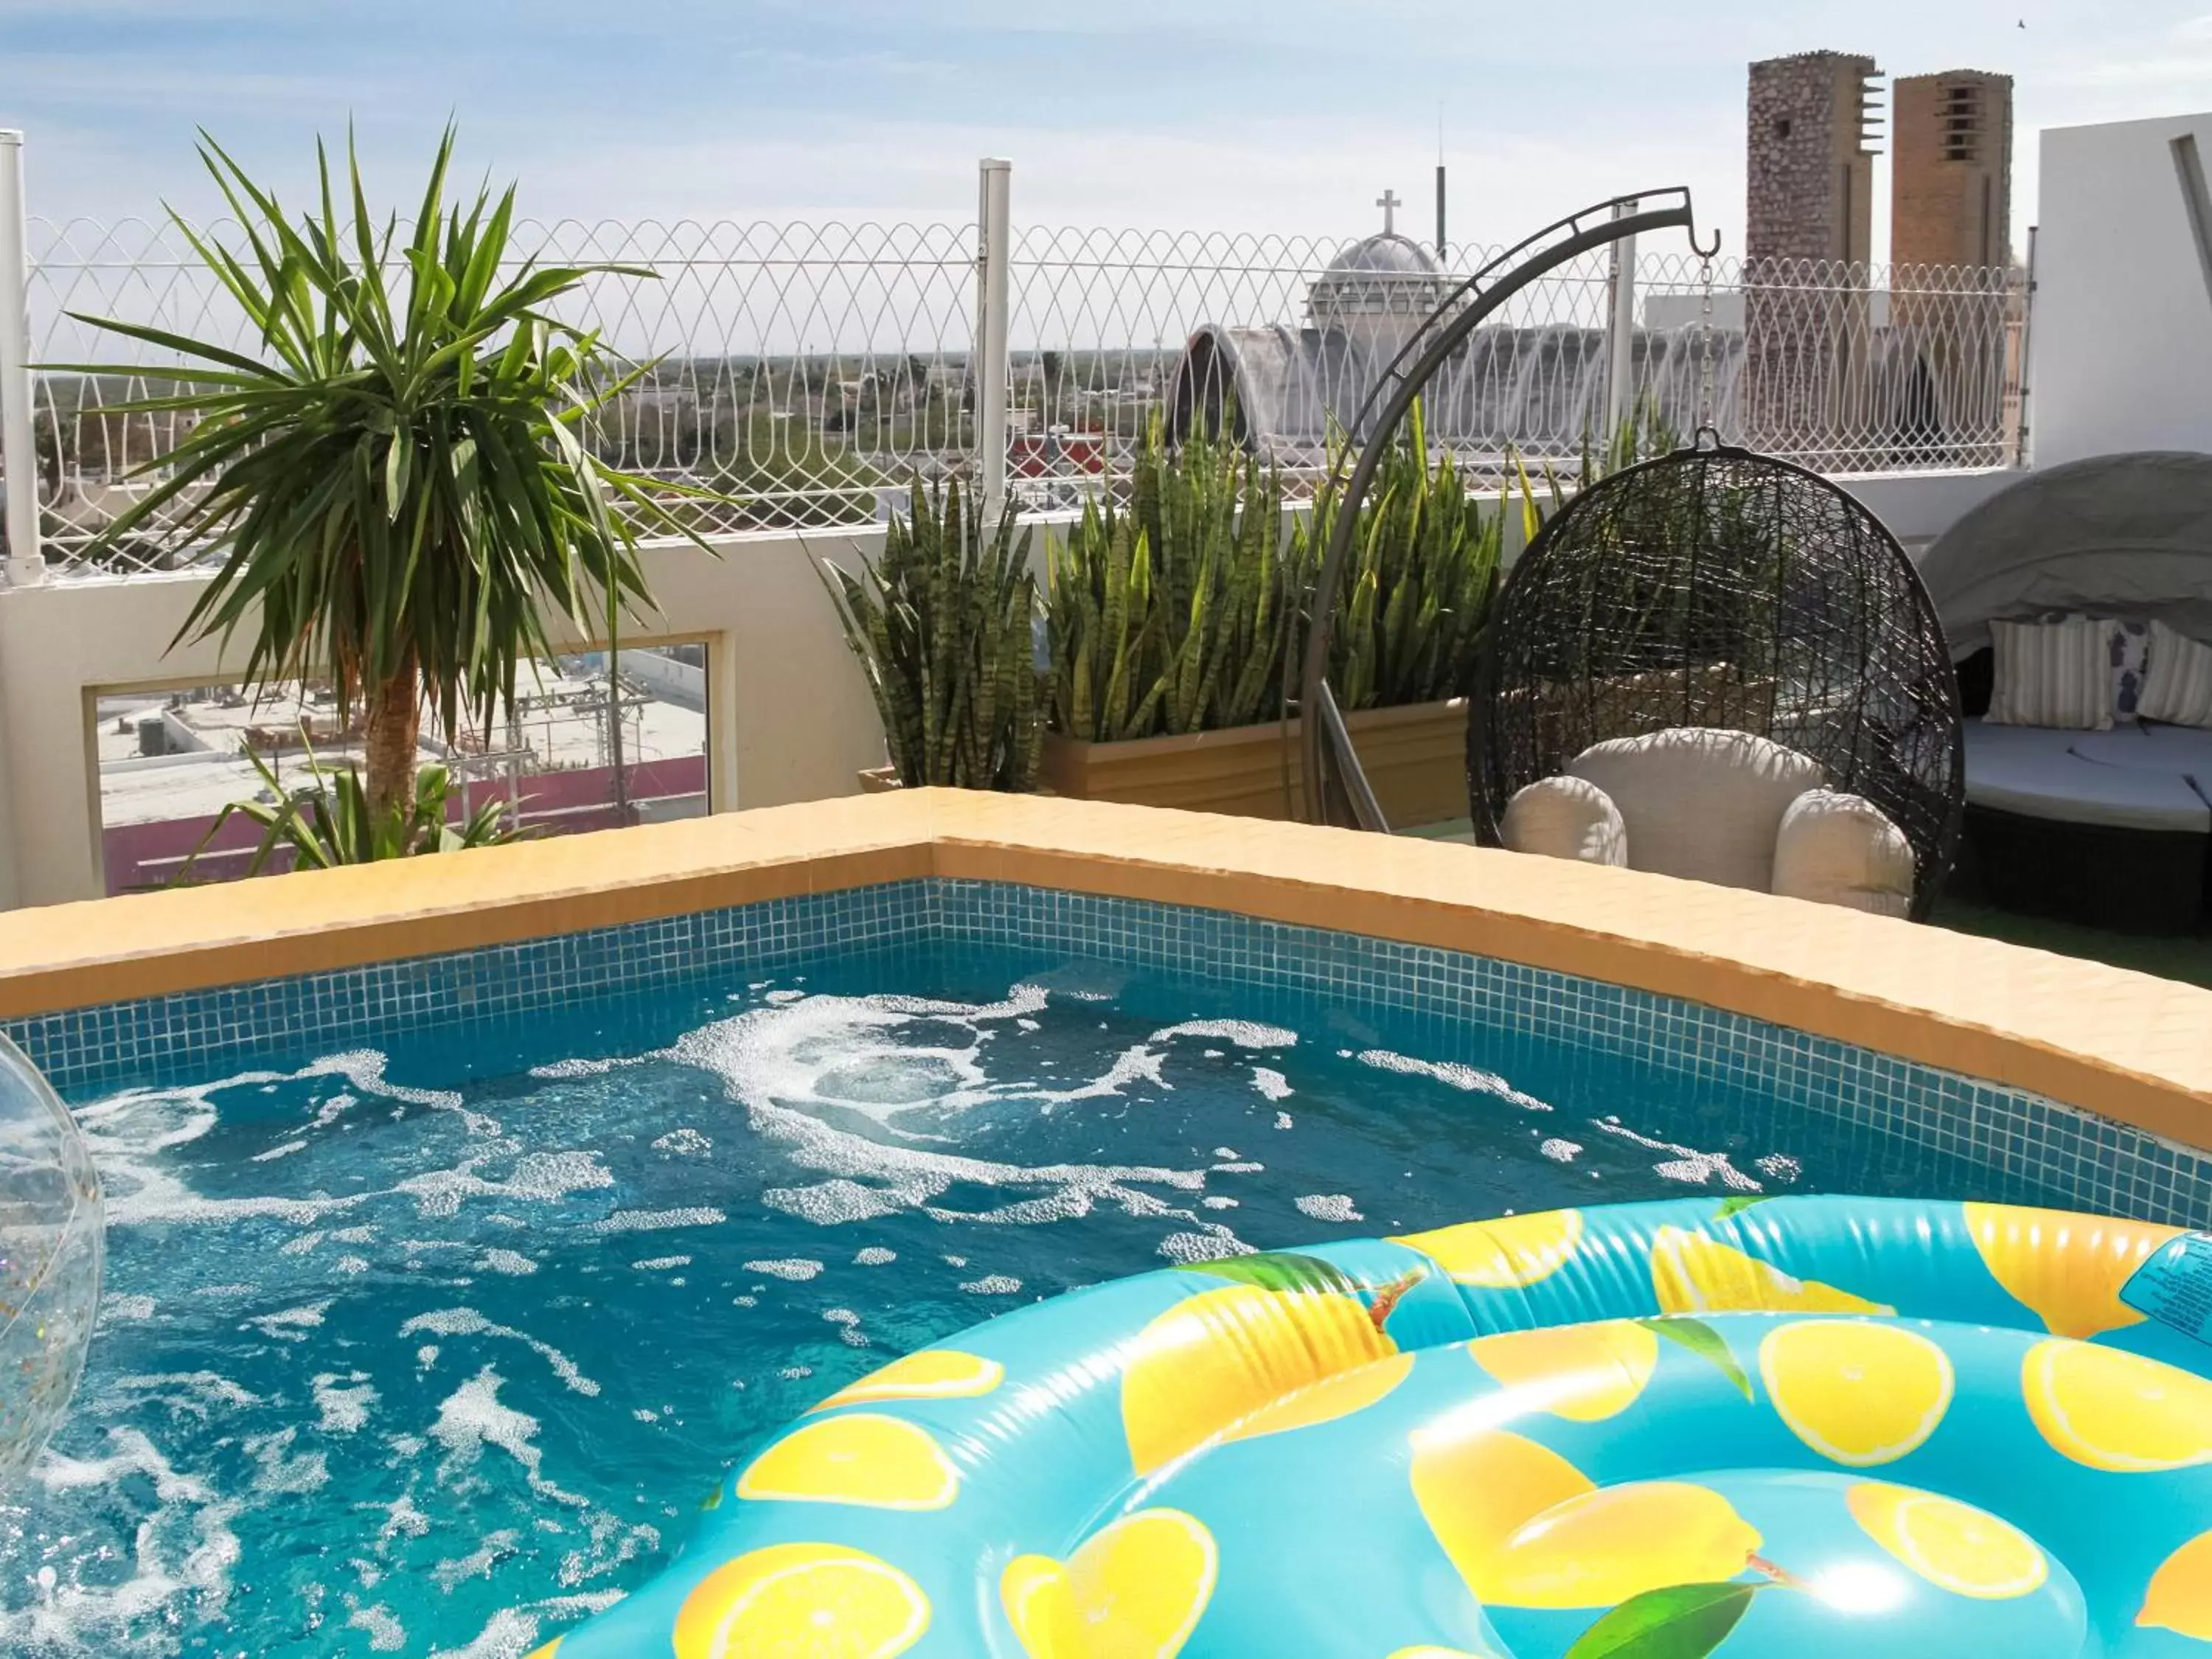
(1717, 587)
(1335, 788)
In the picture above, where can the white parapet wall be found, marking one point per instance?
(2122, 349)
(789, 717)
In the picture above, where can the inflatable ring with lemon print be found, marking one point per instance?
(1797, 1429)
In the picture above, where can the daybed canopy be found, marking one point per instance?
(2116, 535)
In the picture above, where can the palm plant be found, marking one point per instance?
(392, 470)
(944, 624)
(329, 821)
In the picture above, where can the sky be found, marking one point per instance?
(1272, 115)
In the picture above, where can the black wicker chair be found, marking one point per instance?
(1714, 588)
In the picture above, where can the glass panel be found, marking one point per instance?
(171, 760)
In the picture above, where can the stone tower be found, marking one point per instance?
(1807, 241)
(1951, 183)
(1810, 162)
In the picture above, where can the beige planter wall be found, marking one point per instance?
(1415, 759)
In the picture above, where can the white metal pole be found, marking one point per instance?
(1620, 334)
(19, 449)
(994, 371)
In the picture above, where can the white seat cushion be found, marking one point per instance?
(1565, 819)
(1701, 803)
(2033, 771)
(2183, 749)
(1836, 848)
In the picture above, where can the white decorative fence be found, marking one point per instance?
(809, 371)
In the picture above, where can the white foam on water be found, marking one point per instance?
(1471, 1079)
(345, 1401)
(276, 1152)
(182, 1559)
(613, 1545)
(783, 999)
(196, 1393)
(494, 1547)
(1271, 1083)
(840, 1316)
(555, 1070)
(1688, 1165)
(467, 1321)
(403, 1520)
(1778, 1166)
(1241, 1167)
(1327, 1206)
(1216, 1201)
(657, 1221)
(293, 1324)
(472, 1417)
(385, 1633)
(660, 1264)
(1282, 1119)
(791, 1267)
(875, 1255)
(537, 1177)
(1244, 1033)
(279, 1470)
(125, 1309)
(1185, 1249)
(832, 1203)
(508, 1262)
(684, 1143)
(993, 1285)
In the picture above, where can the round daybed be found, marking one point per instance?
(2113, 827)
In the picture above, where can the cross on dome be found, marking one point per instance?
(1389, 202)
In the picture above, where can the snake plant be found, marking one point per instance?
(1416, 593)
(944, 624)
(1177, 611)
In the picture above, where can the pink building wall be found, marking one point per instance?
(142, 855)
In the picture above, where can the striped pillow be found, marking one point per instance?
(2057, 674)
(2178, 685)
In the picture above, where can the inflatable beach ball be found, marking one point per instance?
(51, 1248)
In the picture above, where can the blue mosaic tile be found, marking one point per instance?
(2025, 1145)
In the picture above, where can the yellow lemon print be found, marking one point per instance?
(802, 1601)
(1477, 1485)
(1600, 1549)
(1134, 1590)
(1435, 1653)
(879, 1463)
(933, 1374)
(2067, 1269)
(1856, 1392)
(547, 1651)
(2116, 1411)
(1953, 1546)
(1692, 1273)
(1513, 1250)
(1326, 1400)
(1216, 1359)
(1583, 1372)
(2179, 1598)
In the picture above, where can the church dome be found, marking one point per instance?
(1383, 275)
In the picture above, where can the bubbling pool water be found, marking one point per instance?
(431, 1351)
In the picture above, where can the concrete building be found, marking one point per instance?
(1951, 177)
(1810, 165)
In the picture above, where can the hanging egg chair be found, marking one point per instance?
(1717, 588)
(1710, 588)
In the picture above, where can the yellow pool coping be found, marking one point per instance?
(2125, 1045)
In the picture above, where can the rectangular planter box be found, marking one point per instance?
(1415, 759)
